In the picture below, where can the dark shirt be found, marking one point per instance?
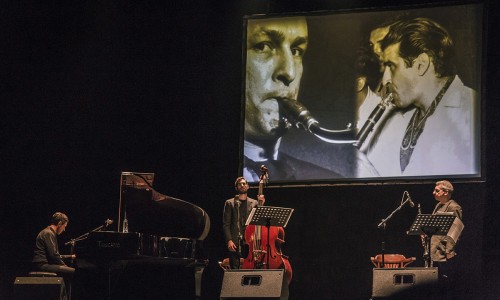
(46, 248)
(234, 217)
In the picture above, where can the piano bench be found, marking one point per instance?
(42, 274)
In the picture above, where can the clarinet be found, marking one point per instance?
(424, 240)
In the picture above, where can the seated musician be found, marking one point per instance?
(236, 211)
(46, 257)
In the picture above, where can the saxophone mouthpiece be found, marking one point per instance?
(297, 114)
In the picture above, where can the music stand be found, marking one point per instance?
(429, 225)
(269, 216)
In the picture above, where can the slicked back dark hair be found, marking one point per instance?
(422, 35)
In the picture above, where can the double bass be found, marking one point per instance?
(264, 242)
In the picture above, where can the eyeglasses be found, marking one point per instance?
(439, 190)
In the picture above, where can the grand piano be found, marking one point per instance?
(156, 252)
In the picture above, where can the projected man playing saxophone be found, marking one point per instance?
(275, 49)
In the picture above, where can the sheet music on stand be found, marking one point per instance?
(269, 216)
(438, 224)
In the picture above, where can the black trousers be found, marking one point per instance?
(234, 257)
(67, 273)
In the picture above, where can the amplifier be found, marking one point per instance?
(254, 284)
(389, 282)
(39, 288)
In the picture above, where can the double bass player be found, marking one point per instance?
(236, 211)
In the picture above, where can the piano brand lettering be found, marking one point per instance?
(101, 244)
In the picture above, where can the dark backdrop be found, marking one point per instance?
(93, 88)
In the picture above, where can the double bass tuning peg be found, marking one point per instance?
(264, 176)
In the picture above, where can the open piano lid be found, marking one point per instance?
(149, 211)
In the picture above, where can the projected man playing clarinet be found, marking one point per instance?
(434, 129)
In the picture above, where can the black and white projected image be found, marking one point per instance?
(364, 96)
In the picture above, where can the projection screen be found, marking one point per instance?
(363, 95)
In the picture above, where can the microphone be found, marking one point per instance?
(108, 222)
(412, 204)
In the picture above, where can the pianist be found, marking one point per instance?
(46, 257)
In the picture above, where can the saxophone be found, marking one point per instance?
(298, 115)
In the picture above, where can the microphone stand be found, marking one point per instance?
(383, 224)
(384, 221)
(86, 235)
